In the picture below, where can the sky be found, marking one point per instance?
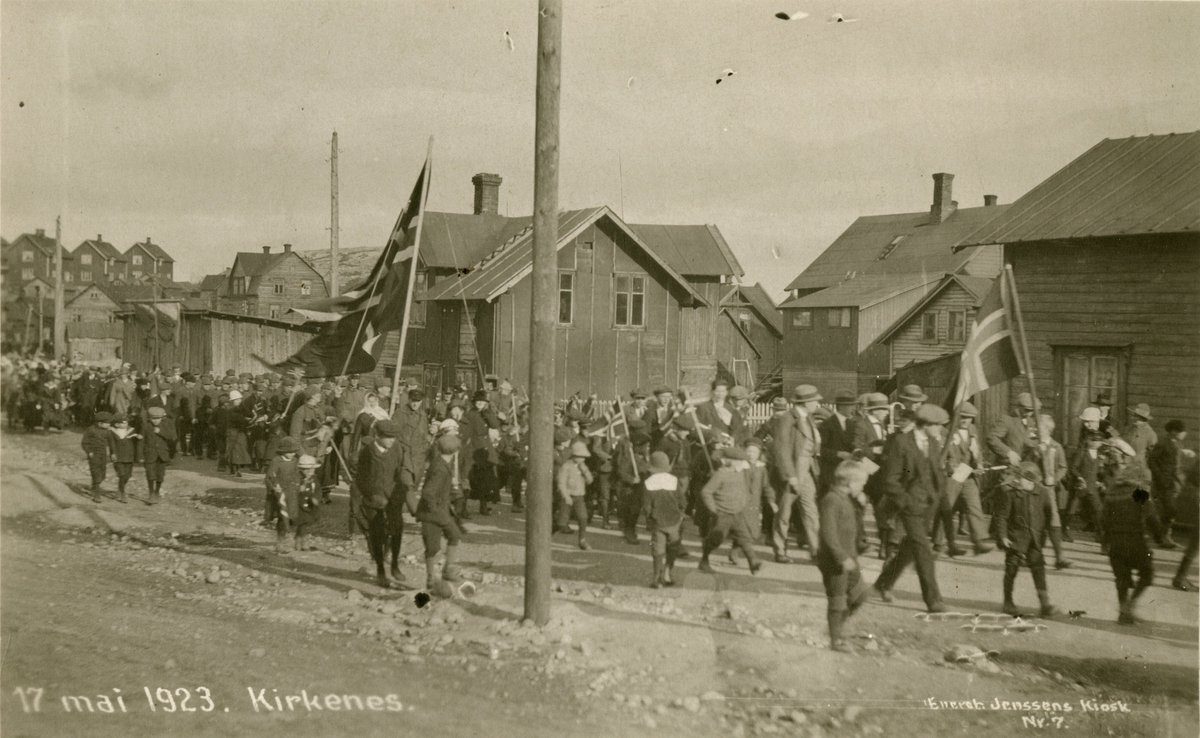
(206, 125)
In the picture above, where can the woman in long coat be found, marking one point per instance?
(237, 442)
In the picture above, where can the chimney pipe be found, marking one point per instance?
(266, 249)
(99, 238)
(943, 204)
(487, 193)
(989, 201)
(41, 232)
(287, 248)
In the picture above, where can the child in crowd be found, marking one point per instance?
(309, 498)
(1022, 517)
(97, 444)
(283, 491)
(756, 492)
(573, 479)
(663, 506)
(724, 497)
(837, 551)
(1127, 521)
(124, 452)
(437, 497)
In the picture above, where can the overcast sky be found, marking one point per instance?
(206, 125)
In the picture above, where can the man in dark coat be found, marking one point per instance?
(479, 426)
(378, 496)
(794, 469)
(158, 438)
(914, 485)
(837, 437)
(870, 438)
(1013, 436)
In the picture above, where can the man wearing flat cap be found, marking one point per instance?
(964, 454)
(154, 449)
(794, 469)
(1012, 437)
(915, 483)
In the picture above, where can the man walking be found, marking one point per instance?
(794, 471)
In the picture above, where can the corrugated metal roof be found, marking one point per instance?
(1119, 187)
(698, 250)
(922, 246)
(864, 291)
(511, 261)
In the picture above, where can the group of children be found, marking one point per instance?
(112, 438)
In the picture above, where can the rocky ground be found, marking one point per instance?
(185, 608)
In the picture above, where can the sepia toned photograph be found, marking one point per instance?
(554, 368)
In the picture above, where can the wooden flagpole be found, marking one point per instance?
(1027, 367)
(412, 276)
(542, 314)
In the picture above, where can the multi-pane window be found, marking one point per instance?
(27, 255)
(958, 326)
(26, 274)
(566, 297)
(839, 317)
(137, 259)
(277, 288)
(305, 289)
(630, 300)
(274, 311)
(417, 319)
(929, 327)
(85, 259)
(1087, 373)
(802, 319)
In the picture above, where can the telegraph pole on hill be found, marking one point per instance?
(333, 222)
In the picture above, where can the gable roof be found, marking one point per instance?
(757, 299)
(513, 260)
(153, 249)
(104, 248)
(43, 243)
(93, 286)
(255, 263)
(976, 287)
(693, 250)
(1119, 187)
(864, 291)
(214, 282)
(870, 246)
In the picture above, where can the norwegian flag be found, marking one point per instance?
(990, 356)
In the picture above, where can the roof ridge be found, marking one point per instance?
(502, 247)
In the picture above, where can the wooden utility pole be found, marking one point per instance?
(60, 328)
(154, 313)
(543, 314)
(333, 221)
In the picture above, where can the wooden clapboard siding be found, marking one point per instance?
(907, 345)
(819, 348)
(875, 319)
(1135, 294)
(987, 261)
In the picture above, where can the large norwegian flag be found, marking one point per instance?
(990, 356)
(353, 323)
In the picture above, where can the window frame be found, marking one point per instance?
(277, 287)
(27, 256)
(27, 274)
(926, 317)
(136, 259)
(570, 291)
(85, 259)
(630, 294)
(950, 326)
(805, 325)
(838, 317)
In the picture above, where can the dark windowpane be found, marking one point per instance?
(636, 318)
(564, 307)
(639, 284)
(622, 308)
(622, 283)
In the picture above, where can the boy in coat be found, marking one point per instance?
(379, 477)
(724, 496)
(837, 552)
(97, 444)
(573, 479)
(434, 510)
(663, 506)
(155, 452)
(1128, 518)
(283, 491)
(124, 452)
(1021, 519)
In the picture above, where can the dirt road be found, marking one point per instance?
(186, 610)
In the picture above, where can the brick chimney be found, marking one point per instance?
(99, 238)
(943, 206)
(989, 201)
(287, 248)
(487, 193)
(266, 249)
(40, 233)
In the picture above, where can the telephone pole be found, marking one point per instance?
(543, 314)
(333, 221)
(60, 328)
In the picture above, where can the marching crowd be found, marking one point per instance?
(801, 480)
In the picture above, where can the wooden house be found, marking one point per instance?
(97, 260)
(30, 256)
(938, 324)
(93, 331)
(147, 257)
(749, 335)
(869, 278)
(637, 304)
(1106, 260)
(267, 284)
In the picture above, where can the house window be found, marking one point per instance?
(566, 302)
(27, 256)
(26, 274)
(744, 320)
(958, 326)
(1084, 374)
(85, 259)
(274, 311)
(839, 317)
(417, 318)
(83, 277)
(305, 289)
(277, 288)
(630, 300)
(137, 259)
(802, 319)
(77, 318)
(929, 327)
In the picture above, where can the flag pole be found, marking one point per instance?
(1028, 366)
(412, 276)
(542, 313)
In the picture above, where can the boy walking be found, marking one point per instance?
(283, 491)
(725, 498)
(124, 452)
(664, 503)
(433, 510)
(573, 479)
(1021, 518)
(837, 554)
(97, 444)
(1128, 518)
(155, 452)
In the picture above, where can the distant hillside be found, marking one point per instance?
(354, 264)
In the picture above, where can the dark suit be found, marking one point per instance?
(869, 439)
(795, 446)
(155, 451)
(914, 486)
(835, 439)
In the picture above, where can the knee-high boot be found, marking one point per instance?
(836, 618)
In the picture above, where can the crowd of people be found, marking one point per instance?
(800, 481)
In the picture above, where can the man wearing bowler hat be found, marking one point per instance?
(870, 438)
(915, 483)
(794, 469)
(1140, 435)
